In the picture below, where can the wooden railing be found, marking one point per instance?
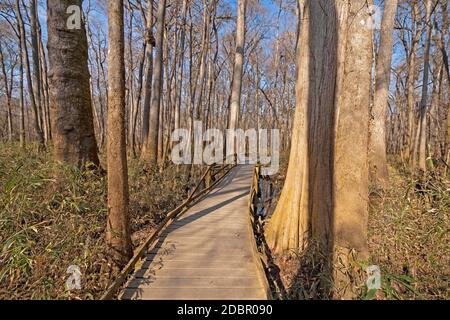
(260, 200)
(257, 230)
(210, 178)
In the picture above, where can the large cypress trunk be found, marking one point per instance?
(325, 196)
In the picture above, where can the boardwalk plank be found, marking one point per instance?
(194, 294)
(207, 252)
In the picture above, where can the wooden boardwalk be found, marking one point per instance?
(208, 252)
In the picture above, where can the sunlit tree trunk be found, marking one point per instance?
(131, 92)
(118, 228)
(45, 88)
(145, 151)
(325, 196)
(70, 96)
(100, 80)
(411, 81)
(36, 65)
(140, 83)
(421, 143)
(177, 116)
(212, 61)
(377, 136)
(155, 105)
(236, 84)
(26, 59)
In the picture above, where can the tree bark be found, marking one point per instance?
(421, 145)
(411, 84)
(236, 84)
(70, 97)
(177, 116)
(118, 228)
(8, 95)
(145, 152)
(21, 98)
(26, 59)
(377, 134)
(152, 140)
(325, 196)
(45, 89)
(36, 65)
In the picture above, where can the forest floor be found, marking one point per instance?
(408, 239)
(47, 226)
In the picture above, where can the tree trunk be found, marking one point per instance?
(236, 84)
(118, 228)
(200, 80)
(36, 65)
(130, 73)
(21, 27)
(145, 152)
(152, 139)
(139, 90)
(70, 96)
(377, 133)
(177, 116)
(411, 84)
(421, 145)
(45, 89)
(325, 196)
(442, 36)
(21, 98)
(8, 95)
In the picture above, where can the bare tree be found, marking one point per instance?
(148, 82)
(36, 65)
(21, 94)
(118, 229)
(8, 91)
(150, 148)
(420, 145)
(21, 27)
(377, 136)
(236, 84)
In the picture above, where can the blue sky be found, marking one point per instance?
(272, 8)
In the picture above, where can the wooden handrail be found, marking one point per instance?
(258, 256)
(143, 248)
(266, 261)
(199, 182)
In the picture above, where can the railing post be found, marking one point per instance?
(208, 177)
(255, 191)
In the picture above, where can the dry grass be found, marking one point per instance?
(46, 226)
(408, 239)
(408, 236)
